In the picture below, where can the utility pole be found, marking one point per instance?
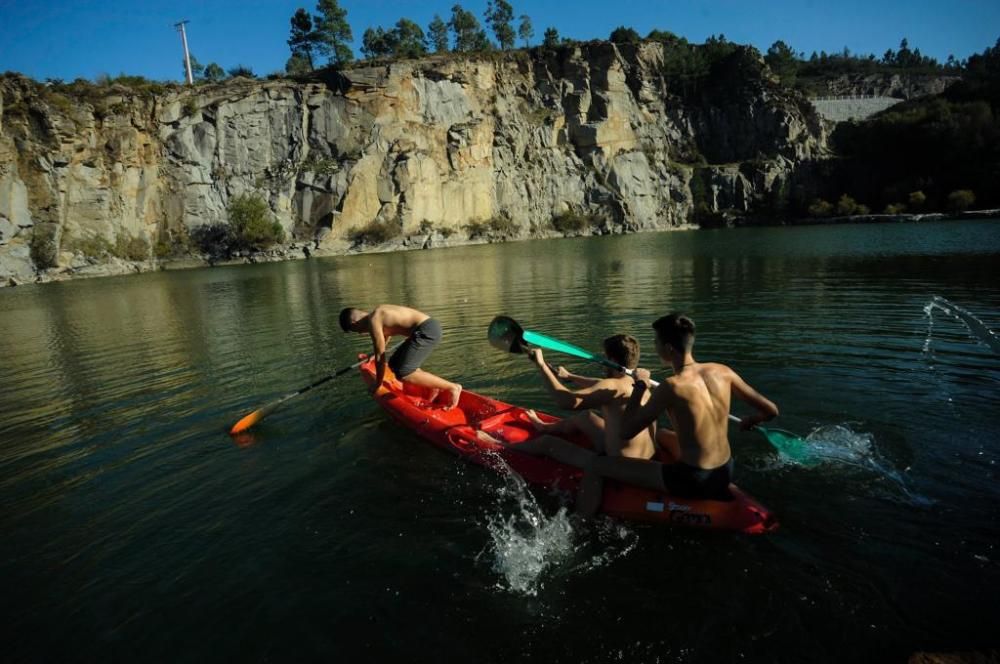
(187, 56)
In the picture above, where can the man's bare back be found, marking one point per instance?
(698, 406)
(422, 334)
(397, 320)
(639, 446)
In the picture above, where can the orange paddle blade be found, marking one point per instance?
(247, 422)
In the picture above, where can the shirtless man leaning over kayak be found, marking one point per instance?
(609, 394)
(697, 399)
(422, 334)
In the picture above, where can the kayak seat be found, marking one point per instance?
(493, 419)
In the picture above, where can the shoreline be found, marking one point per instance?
(902, 217)
(435, 240)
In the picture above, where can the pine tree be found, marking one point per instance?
(302, 39)
(551, 38)
(377, 43)
(623, 35)
(438, 34)
(213, 72)
(469, 36)
(333, 32)
(499, 14)
(525, 30)
(409, 38)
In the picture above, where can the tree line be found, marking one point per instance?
(328, 34)
(794, 68)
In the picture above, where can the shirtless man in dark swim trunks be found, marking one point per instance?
(422, 333)
(697, 399)
(609, 394)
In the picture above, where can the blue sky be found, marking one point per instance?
(65, 39)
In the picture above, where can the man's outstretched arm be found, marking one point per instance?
(594, 396)
(378, 346)
(766, 410)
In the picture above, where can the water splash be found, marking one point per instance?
(525, 542)
(976, 327)
(527, 546)
(839, 445)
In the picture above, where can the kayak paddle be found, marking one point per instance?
(259, 414)
(506, 334)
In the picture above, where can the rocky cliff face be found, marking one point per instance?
(418, 147)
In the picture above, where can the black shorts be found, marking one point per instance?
(409, 356)
(686, 481)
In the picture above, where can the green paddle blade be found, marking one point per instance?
(504, 334)
(789, 446)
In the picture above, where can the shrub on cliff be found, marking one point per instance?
(215, 240)
(43, 246)
(376, 232)
(241, 70)
(820, 208)
(253, 225)
(571, 221)
(961, 200)
(916, 200)
(131, 248)
(894, 208)
(499, 226)
(846, 206)
(173, 243)
(91, 245)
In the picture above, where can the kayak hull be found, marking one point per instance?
(455, 431)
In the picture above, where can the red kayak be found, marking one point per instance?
(455, 430)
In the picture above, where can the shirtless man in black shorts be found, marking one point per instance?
(422, 334)
(609, 394)
(697, 399)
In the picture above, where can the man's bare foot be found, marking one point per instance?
(455, 391)
(433, 395)
(536, 421)
(493, 440)
(487, 438)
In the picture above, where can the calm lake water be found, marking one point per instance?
(132, 528)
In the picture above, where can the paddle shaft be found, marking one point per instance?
(256, 416)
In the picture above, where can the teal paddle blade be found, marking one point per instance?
(789, 446)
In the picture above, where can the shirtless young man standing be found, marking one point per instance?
(609, 394)
(697, 399)
(423, 333)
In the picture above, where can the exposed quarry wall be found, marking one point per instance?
(596, 129)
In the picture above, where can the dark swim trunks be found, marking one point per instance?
(412, 353)
(686, 481)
